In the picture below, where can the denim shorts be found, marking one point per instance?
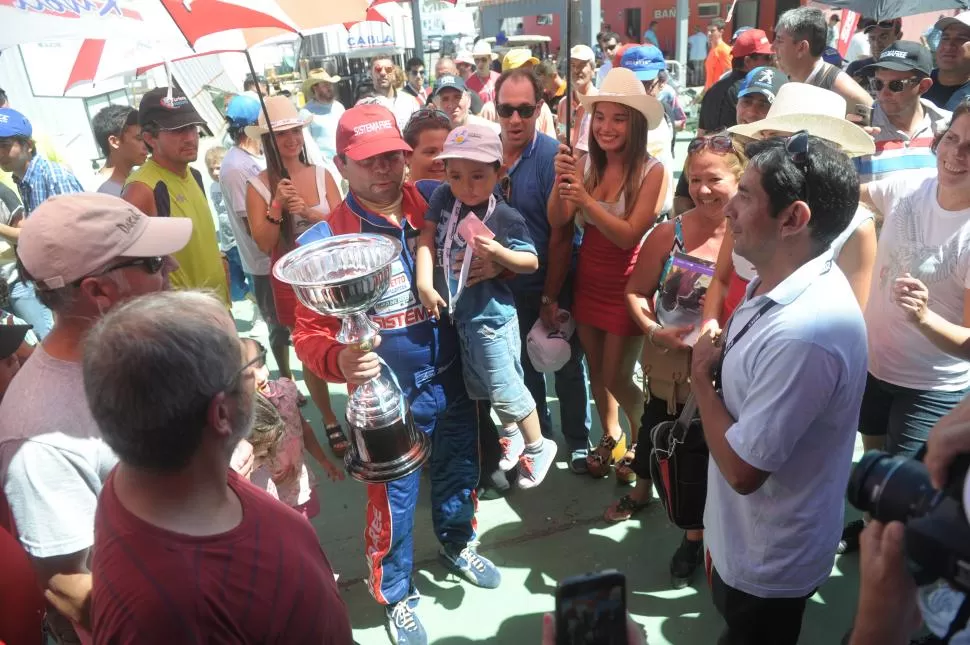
(490, 360)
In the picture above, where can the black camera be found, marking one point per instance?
(937, 530)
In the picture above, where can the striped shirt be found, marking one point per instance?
(45, 179)
(265, 581)
(896, 151)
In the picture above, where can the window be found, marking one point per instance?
(709, 10)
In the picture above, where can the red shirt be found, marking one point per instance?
(265, 581)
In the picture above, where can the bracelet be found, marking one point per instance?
(650, 338)
(273, 220)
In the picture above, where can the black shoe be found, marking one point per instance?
(687, 558)
(850, 537)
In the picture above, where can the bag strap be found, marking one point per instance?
(678, 245)
(682, 424)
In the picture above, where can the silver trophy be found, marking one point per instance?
(344, 276)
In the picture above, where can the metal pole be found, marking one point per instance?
(418, 30)
(269, 123)
(569, 72)
(683, 16)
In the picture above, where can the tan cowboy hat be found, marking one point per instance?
(622, 86)
(483, 48)
(317, 76)
(283, 115)
(799, 106)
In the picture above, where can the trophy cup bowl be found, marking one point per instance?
(344, 276)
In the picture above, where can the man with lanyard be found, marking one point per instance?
(423, 354)
(166, 186)
(793, 358)
(529, 161)
(907, 122)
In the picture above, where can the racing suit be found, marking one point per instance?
(423, 353)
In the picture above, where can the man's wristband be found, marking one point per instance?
(547, 300)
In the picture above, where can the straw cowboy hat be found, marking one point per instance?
(621, 86)
(821, 112)
(283, 115)
(483, 48)
(317, 76)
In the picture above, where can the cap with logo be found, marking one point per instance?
(11, 336)
(961, 20)
(582, 52)
(646, 61)
(516, 58)
(763, 80)
(549, 349)
(243, 110)
(103, 228)
(448, 82)
(475, 142)
(905, 56)
(752, 41)
(368, 130)
(14, 124)
(168, 108)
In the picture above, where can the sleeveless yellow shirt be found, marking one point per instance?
(200, 262)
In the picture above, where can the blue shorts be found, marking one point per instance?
(490, 361)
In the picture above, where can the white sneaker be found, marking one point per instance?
(512, 447)
(533, 466)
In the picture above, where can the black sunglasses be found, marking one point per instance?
(719, 143)
(427, 113)
(797, 148)
(895, 86)
(506, 111)
(152, 265)
(258, 362)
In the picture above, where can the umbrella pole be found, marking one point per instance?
(569, 73)
(269, 123)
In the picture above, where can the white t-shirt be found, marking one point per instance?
(794, 382)
(238, 166)
(53, 460)
(933, 245)
(747, 272)
(697, 46)
(858, 48)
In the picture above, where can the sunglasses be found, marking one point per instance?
(417, 72)
(387, 68)
(895, 86)
(506, 111)
(796, 146)
(258, 362)
(427, 113)
(152, 265)
(882, 24)
(718, 143)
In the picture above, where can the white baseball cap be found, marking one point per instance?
(582, 52)
(476, 142)
(549, 349)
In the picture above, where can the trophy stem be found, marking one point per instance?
(358, 330)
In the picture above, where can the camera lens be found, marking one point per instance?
(891, 488)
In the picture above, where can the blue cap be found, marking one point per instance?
(243, 110)
(763, 80)
(832, 56)
(14, 124)
(646, 61)
(449, 82)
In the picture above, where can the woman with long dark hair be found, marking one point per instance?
(280, 209)
(617, 190)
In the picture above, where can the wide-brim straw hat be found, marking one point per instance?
(282, 114)
(317, 76)
(821, 112)
(622, 86)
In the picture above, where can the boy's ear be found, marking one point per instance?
(114, 141)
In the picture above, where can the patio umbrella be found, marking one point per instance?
(887, 9)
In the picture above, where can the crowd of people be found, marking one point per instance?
(805, 279)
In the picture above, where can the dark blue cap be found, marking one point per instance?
(449, 82)
(763, 80)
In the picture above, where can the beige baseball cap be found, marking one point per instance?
(72, 236)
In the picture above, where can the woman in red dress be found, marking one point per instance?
(617, 190)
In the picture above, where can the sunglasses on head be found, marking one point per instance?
(386, 68)
(895, 86)
(719, 143)
(796, 146)
(506, 111)
(427, 113)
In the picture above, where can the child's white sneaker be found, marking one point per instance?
(513, 445)
(535, 462)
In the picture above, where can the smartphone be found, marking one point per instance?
(864, 112)
(591, 609)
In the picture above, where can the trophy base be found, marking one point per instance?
(383, 472)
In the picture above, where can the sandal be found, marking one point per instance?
(337, 439)
(624, 467)
(604, 455)
(623, 509)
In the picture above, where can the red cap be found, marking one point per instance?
(367, 131)
(753, 41)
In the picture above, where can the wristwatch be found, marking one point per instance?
(546, 300)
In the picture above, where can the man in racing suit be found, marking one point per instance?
(422, 352)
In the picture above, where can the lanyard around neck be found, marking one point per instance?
(450, 232)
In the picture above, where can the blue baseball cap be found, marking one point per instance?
(645, 61)
(449, 82)
(14, 124)
(243, 110)
(763, 80)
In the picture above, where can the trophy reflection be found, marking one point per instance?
(344, 276)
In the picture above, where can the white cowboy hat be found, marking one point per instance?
(483, 48)
(283, 115)
(821, 112)
(621, 86)
(317, 76)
